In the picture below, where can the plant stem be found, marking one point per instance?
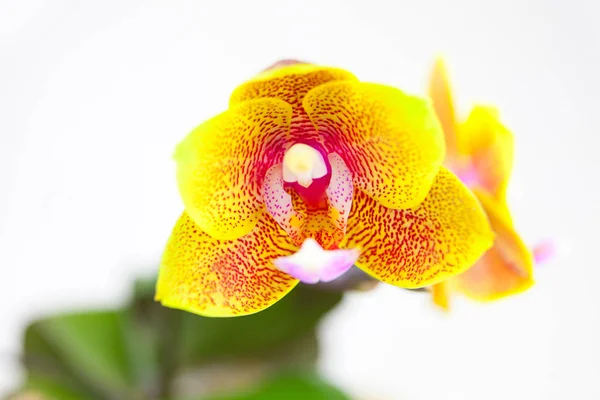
(169, 326)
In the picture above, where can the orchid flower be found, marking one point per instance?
(480, 152)
(309, 172)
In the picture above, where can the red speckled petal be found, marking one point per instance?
(280, 206)
(219, 278)
(221, 165)
(424, 245)
(340, 191)
(506, 268)
(290, 83)
(391, 142)
(323, 226)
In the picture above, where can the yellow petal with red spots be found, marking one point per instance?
(441, 95)
(288, 82)
(505, 269)
(424, 245)
(222, 163)
(322, 226)
(489, 146)
(219, 278)
(391, 142)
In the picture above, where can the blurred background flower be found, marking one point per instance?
(95, 95)
(480, 150)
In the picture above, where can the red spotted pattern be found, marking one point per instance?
(224, 278)
(417, 247)
(222, 163)
(290, 84)
(388, 147)
(391, 142)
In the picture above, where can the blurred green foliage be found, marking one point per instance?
(290, 387)
(145, 351)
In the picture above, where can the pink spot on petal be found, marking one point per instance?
(468, 176)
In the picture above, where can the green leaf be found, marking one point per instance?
(56, 388)
(276, 328)
(85, 351)
(281, 336)
(202, 340)
(290, 387)
(138, 352)
(142, 342)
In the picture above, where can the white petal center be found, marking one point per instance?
(302, 164)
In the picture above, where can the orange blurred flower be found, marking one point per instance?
(480, 152)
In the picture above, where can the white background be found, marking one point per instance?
(94, 96)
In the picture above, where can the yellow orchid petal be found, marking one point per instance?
(441, 296)
(440, 93)
(489, 146)
(424, 245)
(218, 278)
(288, 82)
(323, 227)
(505, 269)
(492, 278)
(391, 142)
(222, 163)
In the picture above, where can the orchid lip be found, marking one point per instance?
(312, 264)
